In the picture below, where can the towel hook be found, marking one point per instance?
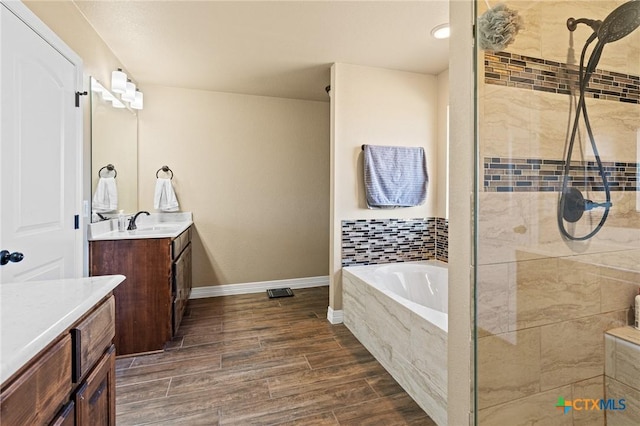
(165, 169)
(110, 168)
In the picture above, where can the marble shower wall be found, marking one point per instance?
(543, 303)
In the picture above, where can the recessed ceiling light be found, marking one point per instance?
(441, 31)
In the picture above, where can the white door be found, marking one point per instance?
(40, 156)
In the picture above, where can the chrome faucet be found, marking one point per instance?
(132, 222)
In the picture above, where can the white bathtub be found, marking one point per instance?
(398, 311)
(422, 286)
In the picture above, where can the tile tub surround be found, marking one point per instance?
(375, 241)
(412, 349)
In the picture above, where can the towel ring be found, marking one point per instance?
(110, 168)
(165, 169)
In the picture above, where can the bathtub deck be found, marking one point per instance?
(248, 359)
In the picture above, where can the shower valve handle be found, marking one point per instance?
(589, 205)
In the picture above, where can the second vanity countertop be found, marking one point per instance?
(156, 225)
(33, 314)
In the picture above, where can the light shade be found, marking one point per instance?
(96, 86)
(130, 94)
(138, 103)
(441, 31)
(107, 96)
(118, 81)
(117, 104)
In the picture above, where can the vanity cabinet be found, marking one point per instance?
(37, 394)
(72, 381)
(150, 302)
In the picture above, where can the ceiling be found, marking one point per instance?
(268, 48)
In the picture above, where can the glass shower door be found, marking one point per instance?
(557, 242)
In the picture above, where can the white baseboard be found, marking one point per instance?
(257, 287)
(335, 317)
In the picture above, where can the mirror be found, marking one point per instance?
(114, 141)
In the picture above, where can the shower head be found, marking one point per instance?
(620, 23)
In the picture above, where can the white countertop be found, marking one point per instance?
(33, 314)
(156, 225)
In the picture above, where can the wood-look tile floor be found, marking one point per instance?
(250, 360)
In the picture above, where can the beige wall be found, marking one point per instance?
(64, 18)
(253, 170)
(380, 107)
(255, 173)
(442, 178)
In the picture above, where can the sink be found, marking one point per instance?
(153, 231)
(158, 225)
(167, 227)
(157, 229)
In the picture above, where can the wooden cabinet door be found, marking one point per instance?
(143, 299)
(96, 397)
(38, 393)
(182, 286)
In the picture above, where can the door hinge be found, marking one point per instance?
(78, 94)
(76, 222)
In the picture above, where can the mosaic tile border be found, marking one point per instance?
(538, 175)
(375, 241)
(442, 239)
(526, 72)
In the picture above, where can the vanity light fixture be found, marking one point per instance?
(116, 103)
(138, 103)
(107, 96)
(118, 81)
(441, 31)
(96, 86)
(130, 94)
(123, 86)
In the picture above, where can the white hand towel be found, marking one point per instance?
(105, 198)
(165, 197)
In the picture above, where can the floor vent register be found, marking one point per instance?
(279, 292)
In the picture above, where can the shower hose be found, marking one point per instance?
(584, 77)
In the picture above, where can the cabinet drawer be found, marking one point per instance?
(36, 396)
(179, 243)
(66, 416)
(92, 337)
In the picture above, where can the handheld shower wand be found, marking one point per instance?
(618, 24)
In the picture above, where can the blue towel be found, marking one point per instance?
(394, 176)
